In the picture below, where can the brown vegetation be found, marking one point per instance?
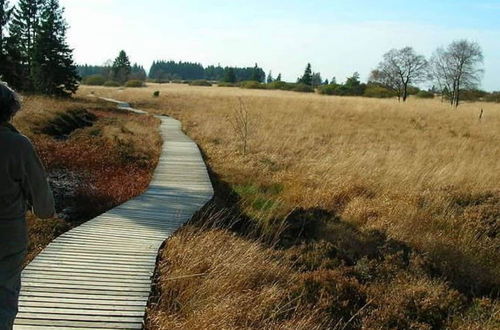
(394, 207)
(95, 158)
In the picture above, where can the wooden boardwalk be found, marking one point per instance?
(98, 275)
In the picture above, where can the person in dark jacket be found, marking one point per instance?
(23, 185)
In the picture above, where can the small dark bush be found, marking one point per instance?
(252, 85)
(225, 84)
(156, 94)
(410, 302)
(134, 83)
(412, 90)
(280, 85)
(378, 92)
(200, 83)
(333, 291)
(425, 95)
(327, 89)
(493, 97)
(94, 80)
(111, 83)
(472, 95)
(303, 88)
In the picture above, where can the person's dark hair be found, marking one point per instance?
(9, 103)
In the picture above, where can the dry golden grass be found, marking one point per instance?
(215, 280)
(425, 174)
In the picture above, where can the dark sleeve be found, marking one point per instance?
(35, 184)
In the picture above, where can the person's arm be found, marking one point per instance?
(36, 185)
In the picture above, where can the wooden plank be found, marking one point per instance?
(67, 283)
(70, 321)
(95, 260)
(103, 255)
(84, 310)
(83, 304)
(98, 292)
(83, 296)
(97, 280)
(91, 249)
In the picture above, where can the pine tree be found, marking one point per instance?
(306, 79)
(316, 79)
(270, 77)
(53, 71)
(11, 70)
(278, 78)
(256, 73)
(5, 12)
(121, 68)
(230, 76)
(138, 72)
(24, 28)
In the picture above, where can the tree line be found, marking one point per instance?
(34, 54)
(118, 71)
(165, 71)
(171, 70)
(455, 71)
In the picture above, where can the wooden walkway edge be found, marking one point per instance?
(98, 275)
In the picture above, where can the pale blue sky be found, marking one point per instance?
(337, 37)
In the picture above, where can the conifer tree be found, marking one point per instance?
(24, 26)
(270, 77)
(307, 77)
(53, 71)
(316, 79)
(121, 68)
(256, 73)
(10, 67)
(279, 77)
(230, 76)
(5, 12)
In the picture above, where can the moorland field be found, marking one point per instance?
(342, 212)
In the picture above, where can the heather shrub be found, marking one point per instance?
(111, 83)
(378, 92)
(334, 292)
(327, 89)
(225, 84)
(251, 84)
(493, 97)
(410, 302)
(425, 95)
(134, 83)
(281, 85)
(200, 83)
(303, 88)
(94, 80)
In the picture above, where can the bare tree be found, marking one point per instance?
(457, 67)
(401, 68)
(388, 79)
(240, 122)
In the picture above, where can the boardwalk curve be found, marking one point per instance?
(98, 275)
